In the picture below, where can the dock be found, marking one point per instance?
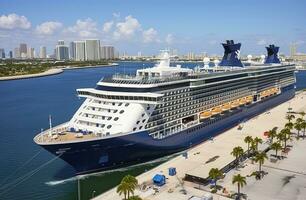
(214, 153)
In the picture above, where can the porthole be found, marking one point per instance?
(109, 118)
(134, 129)
(116, 118)
(119, 104)
(121, 111)
(109, 126)
(115, 111)
(103, 125)
(143, 121)
(127, 104)
(137, 122)
(140, 127)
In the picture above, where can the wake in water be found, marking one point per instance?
(75, 178)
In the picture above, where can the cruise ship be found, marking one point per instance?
(166, 109)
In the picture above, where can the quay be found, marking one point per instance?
(192, 170)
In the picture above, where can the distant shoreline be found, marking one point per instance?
(51, 72)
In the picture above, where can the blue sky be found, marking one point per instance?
(147, 26)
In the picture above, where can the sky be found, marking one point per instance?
(148, 26)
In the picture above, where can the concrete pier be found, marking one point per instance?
(218, 148)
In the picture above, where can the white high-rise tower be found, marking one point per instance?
(92, 49)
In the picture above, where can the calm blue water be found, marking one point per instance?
(24, 109)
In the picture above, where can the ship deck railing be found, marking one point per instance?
(134, 79)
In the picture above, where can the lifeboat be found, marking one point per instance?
(249, 99)
(242, 101)
(226, 106)
(206, 114)
(234, 104)
(216, 110)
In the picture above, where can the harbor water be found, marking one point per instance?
(29, 172)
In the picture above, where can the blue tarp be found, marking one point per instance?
(159, 179)
(172, 171)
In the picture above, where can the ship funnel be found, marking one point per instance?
(272, 54)
(231, 54)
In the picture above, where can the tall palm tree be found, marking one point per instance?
(298, 127)
(303, 126)
(272, 134)
(132, 184)
(276, 146)
(123, 188)
(284, 135)
(237, 153)
(248, 139)
(290, 117)
(215, 174)
(240, 180)
(260, 158)
(257, 141)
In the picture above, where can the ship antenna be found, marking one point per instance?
(50, 124)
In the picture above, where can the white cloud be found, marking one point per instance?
(169, 38)
(127, 28)
(48, 28)
(13, 21)
(149, 35)
(107, 26)
(84, 28)
(261, 42)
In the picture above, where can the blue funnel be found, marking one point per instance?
(231, 54)
(272, 54)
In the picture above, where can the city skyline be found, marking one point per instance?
(148, 27)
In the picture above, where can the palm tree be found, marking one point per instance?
(260, 158)
(237, 153)
(284, 135)
(290, 117)
(215, 174)
(123, 189)
(132, 184)
(240, 180)
(303, 126)
(276, 146)
(289, 125)
(272, 134)
(257, 141)
(298, 127)
(248, 139)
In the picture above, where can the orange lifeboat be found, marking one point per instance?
(242, 101)
(226, 106)
(234, 104)
(205, 114)
(216, 110)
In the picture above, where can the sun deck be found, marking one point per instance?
(64, 137)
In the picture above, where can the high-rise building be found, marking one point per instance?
(30, 52)
(62, 52)
(107, 52)
(72, 50)
(43, 52)
(92, 49)
(60, 42)
(10, 54)
(17, 53)
(23, 49)
(293, 47)
(2, 53)
(79, 50)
